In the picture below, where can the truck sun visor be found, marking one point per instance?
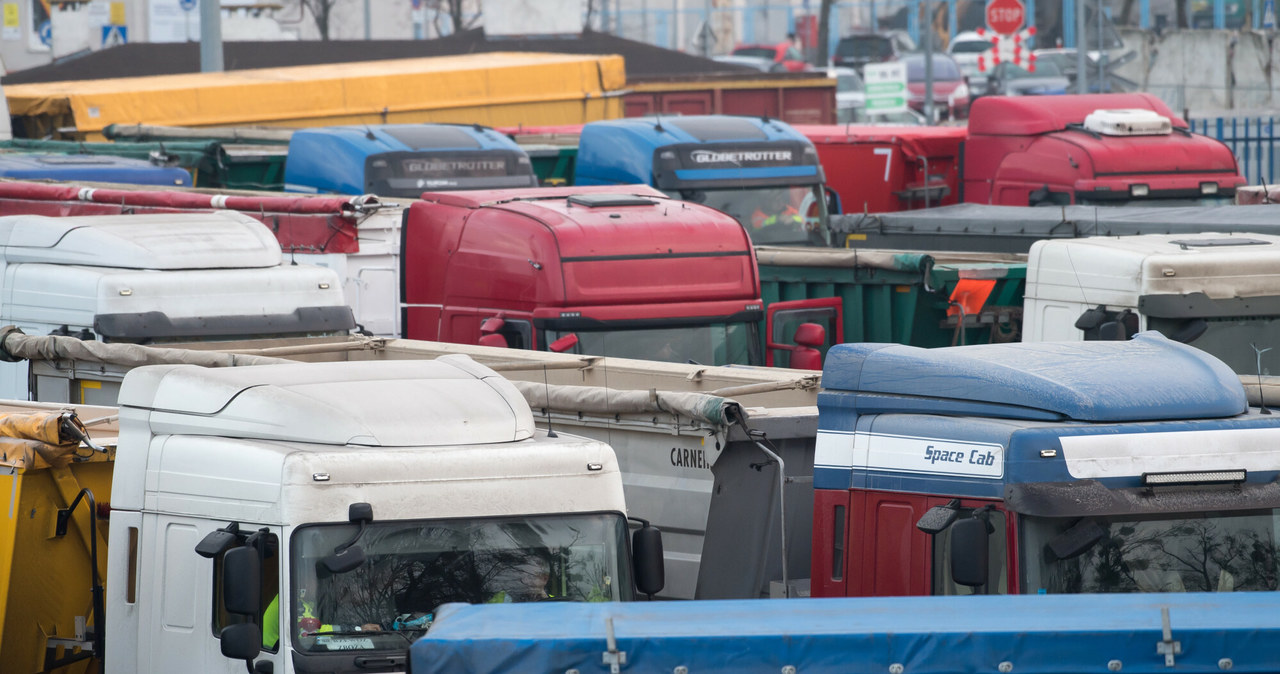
(156, 324)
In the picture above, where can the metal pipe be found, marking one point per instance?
(210, 36)
(782, 506)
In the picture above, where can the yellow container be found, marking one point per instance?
(495, 89)
(45, 579)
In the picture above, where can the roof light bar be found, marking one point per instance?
(1197, 477)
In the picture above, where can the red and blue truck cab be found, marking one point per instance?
(1087, 467)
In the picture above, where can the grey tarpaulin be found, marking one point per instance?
(15, 346)
(1012, 229)
(595, 400)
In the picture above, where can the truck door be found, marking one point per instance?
(783, 321)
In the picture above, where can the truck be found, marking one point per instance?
(100, 168)
(709, 311)
(1041, 468)
(1093, 149)
(157, 278)
(403, 160)
(691, 440)
(1051, 634)
(354, 498)
(749, 167)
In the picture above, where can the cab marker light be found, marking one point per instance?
(1139, 190)
(1048, 453)
(1208, 188)
(320, 477)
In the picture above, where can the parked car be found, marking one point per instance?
(950, 91)
(1008, 79)
(851, 93)
(965, 48)
(856, 51)
(784, 55)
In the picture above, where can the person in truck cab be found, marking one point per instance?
(775, 207)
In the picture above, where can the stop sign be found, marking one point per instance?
(1005, 17)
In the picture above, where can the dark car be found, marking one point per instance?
(856, 51)
(950, 89)
(1008, 79)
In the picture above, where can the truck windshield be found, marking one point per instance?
(714, 344)
(412, 567)
(794, 214)
(1229, 340)
(1201, 552)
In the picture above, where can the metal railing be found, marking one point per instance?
(1251, 139)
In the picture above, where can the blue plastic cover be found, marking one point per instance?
(91, 168)
(1035, 634)
(1146, 378)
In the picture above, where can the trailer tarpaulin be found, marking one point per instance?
(595, 400)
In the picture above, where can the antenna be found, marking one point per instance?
(546, 387)
(1262, 401)
(657, 124)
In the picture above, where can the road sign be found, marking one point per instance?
(1006, 17)
(187, 5)
(1269, 15)
(886, 87)
(114, 36)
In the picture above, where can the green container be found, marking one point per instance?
(553, 164)
(901, 297)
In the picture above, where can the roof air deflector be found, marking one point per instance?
(608, 200)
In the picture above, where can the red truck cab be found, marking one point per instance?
(1103, 149)
(619, 271)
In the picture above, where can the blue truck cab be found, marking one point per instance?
(1042, 468)
(91, 168)
(404, 160)
(761, 171)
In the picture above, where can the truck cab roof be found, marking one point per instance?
(1144, 379)
(91, 168)
(404, 159)
(217, 240)
(447, 401)
(1035, 115)
(625, 151)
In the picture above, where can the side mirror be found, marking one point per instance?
(1075, 541)
(242, 641)
(1091, 318)
(969, 562)
(242, 581)
(1190, 331)
(938, 518)
(811, 335)
(564, 343)
(1111, 331)
(349, 559)
(646, 549)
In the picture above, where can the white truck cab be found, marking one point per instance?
(1217, 292)
(311, 517)
(156, 278)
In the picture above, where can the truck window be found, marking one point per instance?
(1229, 340)
(412, 567)
(270, 592)
(735, 343)
(794, 214)
(786, 322)
(997, 554)
(1196, 552)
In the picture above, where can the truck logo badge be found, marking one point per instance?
(740, 157)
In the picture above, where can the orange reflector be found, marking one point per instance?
(970, 294)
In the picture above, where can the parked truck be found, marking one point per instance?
(1095, 149)
(639, 267)
(753, 168)
(708, 455)
(100, 168)
(155, 279)
(1059, 468)
(404, 160)
(1048, 635)
(301, 517)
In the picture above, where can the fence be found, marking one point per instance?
(1251, 139)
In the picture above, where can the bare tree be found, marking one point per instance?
(321, 12)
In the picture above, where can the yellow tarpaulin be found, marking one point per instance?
(497, 89)
(37, 439)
